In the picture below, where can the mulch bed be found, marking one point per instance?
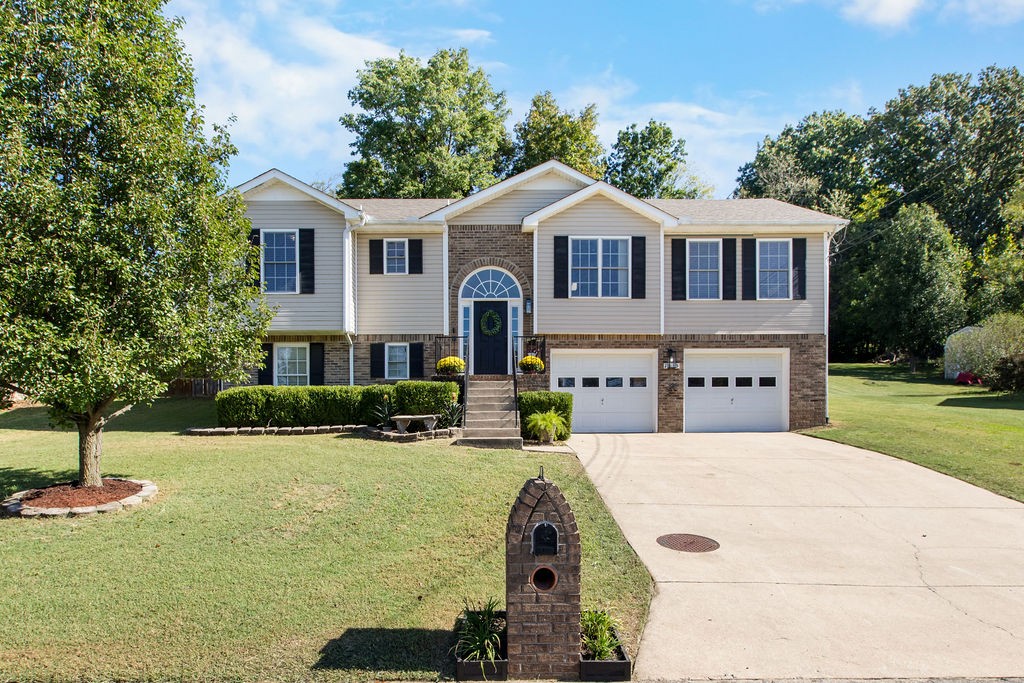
(71, 496)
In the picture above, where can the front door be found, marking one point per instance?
(490, 337)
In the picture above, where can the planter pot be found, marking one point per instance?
(620, 669)
(471, 670)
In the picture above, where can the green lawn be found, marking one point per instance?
(271, 558)
(967, 432)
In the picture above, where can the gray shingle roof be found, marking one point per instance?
(397, 209)
(763, 211)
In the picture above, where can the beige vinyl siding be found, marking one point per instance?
(725, 317)
(322, 311)
(597, 216)
(401, 304)
(510, 208)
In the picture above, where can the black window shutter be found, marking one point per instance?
(377, 360)
(800, 268)
(254, 240)
(561, 267)
(416, 359)
(415, 257)
(376, 258)
(638, 286)
(316, 364)
(729, 269)
(678, 269)
(749, 269)
(307, 277)
(266, 373)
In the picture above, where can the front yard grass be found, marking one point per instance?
(272, 558)
(966, 432)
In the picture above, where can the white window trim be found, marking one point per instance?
(298, 275)
(789, 276)
(387, 361)
(600, 270)
(405, 259)
(277, 365)
(689, 242)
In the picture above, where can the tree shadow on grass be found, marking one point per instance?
(888, 373)
(173, 414)
(398, 650)
(998, 402)
(14, 479)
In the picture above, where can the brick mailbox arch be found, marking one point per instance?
(542, 584)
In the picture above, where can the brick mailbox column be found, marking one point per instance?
(542, 584)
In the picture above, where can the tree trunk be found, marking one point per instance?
(913, 364)
(90, 446)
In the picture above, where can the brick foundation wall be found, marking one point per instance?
(362, 354)
(335, 356)
(543, 624)
(807, 371)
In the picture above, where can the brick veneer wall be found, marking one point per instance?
(466, 243)
(362, 354)
(807, 371)
(543, 625)
(335, 356)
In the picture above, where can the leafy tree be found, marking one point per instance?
(548, 132)
(651, 162)
(425, 130)
(916, 283)
(957, 144)
(122, 260)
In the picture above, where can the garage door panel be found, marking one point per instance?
(735, 392)
(612, 392)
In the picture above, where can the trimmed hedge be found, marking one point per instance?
(531, 402)
(262, 406)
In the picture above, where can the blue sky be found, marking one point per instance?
(722, 73)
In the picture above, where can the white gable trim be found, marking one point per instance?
(507, 185)
(666, 220)
(253, 187)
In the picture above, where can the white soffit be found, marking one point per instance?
(605, 190)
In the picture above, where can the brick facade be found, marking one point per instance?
(466, 243)
(335, 355)
(542, 589)
(807, 373)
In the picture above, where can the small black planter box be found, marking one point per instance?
(620, 669)
(470, 670)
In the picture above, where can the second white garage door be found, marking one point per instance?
(612, 391)
(736, 391)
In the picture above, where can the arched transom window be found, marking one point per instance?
(491, 283)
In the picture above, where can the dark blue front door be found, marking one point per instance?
(490, 337)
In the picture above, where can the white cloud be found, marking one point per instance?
(996, 12)
(882, 13)
(469, 36)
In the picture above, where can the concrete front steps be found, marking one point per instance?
(491, 415)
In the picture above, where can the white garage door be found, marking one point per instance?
(611, 391)
(736, 391)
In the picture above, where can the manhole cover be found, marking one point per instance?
(688, 543)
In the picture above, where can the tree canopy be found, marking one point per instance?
(548, 132)
(651, 162)
(122, 260)
(424, 130)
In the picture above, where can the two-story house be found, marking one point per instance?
(657, 315)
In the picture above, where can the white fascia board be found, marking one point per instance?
(760, 228)
(274, 175)
(401, 227)
(507, 185)
(602, 188)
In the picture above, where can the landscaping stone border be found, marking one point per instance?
(14, 507)
(359, 430)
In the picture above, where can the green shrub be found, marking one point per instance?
(531, 402)
(370, 401)
(978, 350)
(243, 406)
(1009, 374)
(425, 398)
(545, 425)
(263, 406)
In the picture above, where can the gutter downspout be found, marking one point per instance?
(351, 360)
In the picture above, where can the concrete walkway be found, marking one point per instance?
(835, 562)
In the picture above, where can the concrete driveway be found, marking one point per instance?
(835, 562)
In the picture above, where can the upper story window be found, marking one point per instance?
(291, 365)
(395, 256)
(773, 269)
(599, 267)
(704, 271)
(280, 261)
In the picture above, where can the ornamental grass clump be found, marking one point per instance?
(597, 633)
(450, 365)
(531, 364)
(481, 632)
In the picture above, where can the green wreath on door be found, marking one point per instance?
(490, 323)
